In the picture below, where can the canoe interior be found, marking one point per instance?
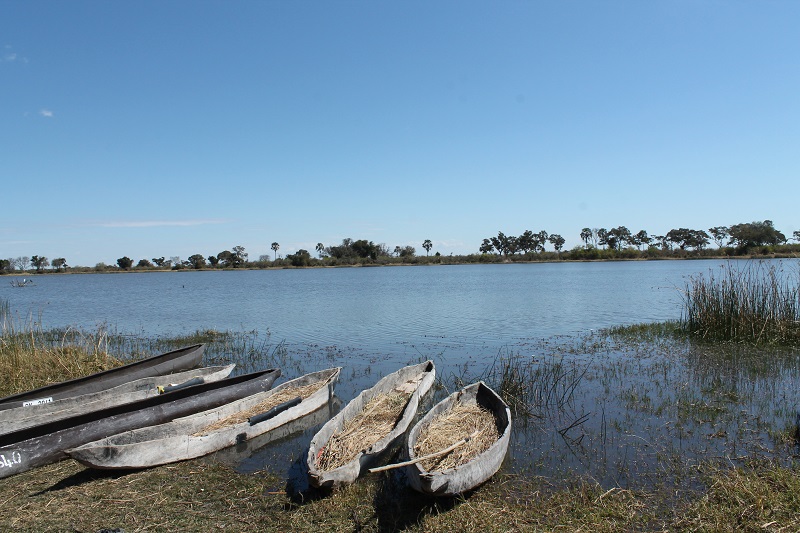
(190, 424)
(166, 363)
(350, 471)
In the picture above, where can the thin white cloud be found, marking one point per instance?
(9, 56)
(46, 113)
(156, 223)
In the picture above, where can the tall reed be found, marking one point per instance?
(756, 302)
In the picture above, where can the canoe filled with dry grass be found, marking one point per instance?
(370, 425)
(460, 443)
(204, 433)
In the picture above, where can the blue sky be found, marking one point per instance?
(153, 129)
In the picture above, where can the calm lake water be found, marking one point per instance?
(390, 310)
(620, 412)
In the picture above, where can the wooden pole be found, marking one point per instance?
(424, 457)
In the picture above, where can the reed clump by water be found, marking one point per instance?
(461, 421)
(532, 386)
(755, 303)
(369, 426)
(283, 395)
(29, 359)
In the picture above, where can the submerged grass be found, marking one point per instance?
(531, 386)
(757, 303)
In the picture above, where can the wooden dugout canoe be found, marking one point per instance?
(462, 478)
(24, 417)
(420, 376)
(46, 443)
(159, 365)
(178, 440)
(238, 454)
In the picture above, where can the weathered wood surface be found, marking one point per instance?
(46, 443)
(477, 471)
(175, 441)
(159, 365)
(368, 457)
(25, 417)
(243, 450)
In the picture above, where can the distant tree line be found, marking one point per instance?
(741, 238)
(751, 238)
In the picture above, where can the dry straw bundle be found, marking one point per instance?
(283, 395)
(460, 421)
(369, 426)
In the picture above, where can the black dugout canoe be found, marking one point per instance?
(159, 365)
(24, 417)
(43, 444)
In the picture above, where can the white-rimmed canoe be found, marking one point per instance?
(47, 443)
(420, 377)
(468, 476)
(25, 417)
(184, 438)
(159, 365)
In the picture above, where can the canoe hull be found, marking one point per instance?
(371, 456)
(159, 365)
(24, 417)
(47, 443)
(174, 441)
(457, 480)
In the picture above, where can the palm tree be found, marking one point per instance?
(275, 247)
(427, 245)
(320, 248)
(586, 235)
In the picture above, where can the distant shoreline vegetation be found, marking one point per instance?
(754, 239)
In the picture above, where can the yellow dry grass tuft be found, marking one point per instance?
(373, 423)
(460, 421)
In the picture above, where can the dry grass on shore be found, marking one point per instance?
(27, 362)
(204, 496)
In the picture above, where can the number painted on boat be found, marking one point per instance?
(39, 401)
(14, 458)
